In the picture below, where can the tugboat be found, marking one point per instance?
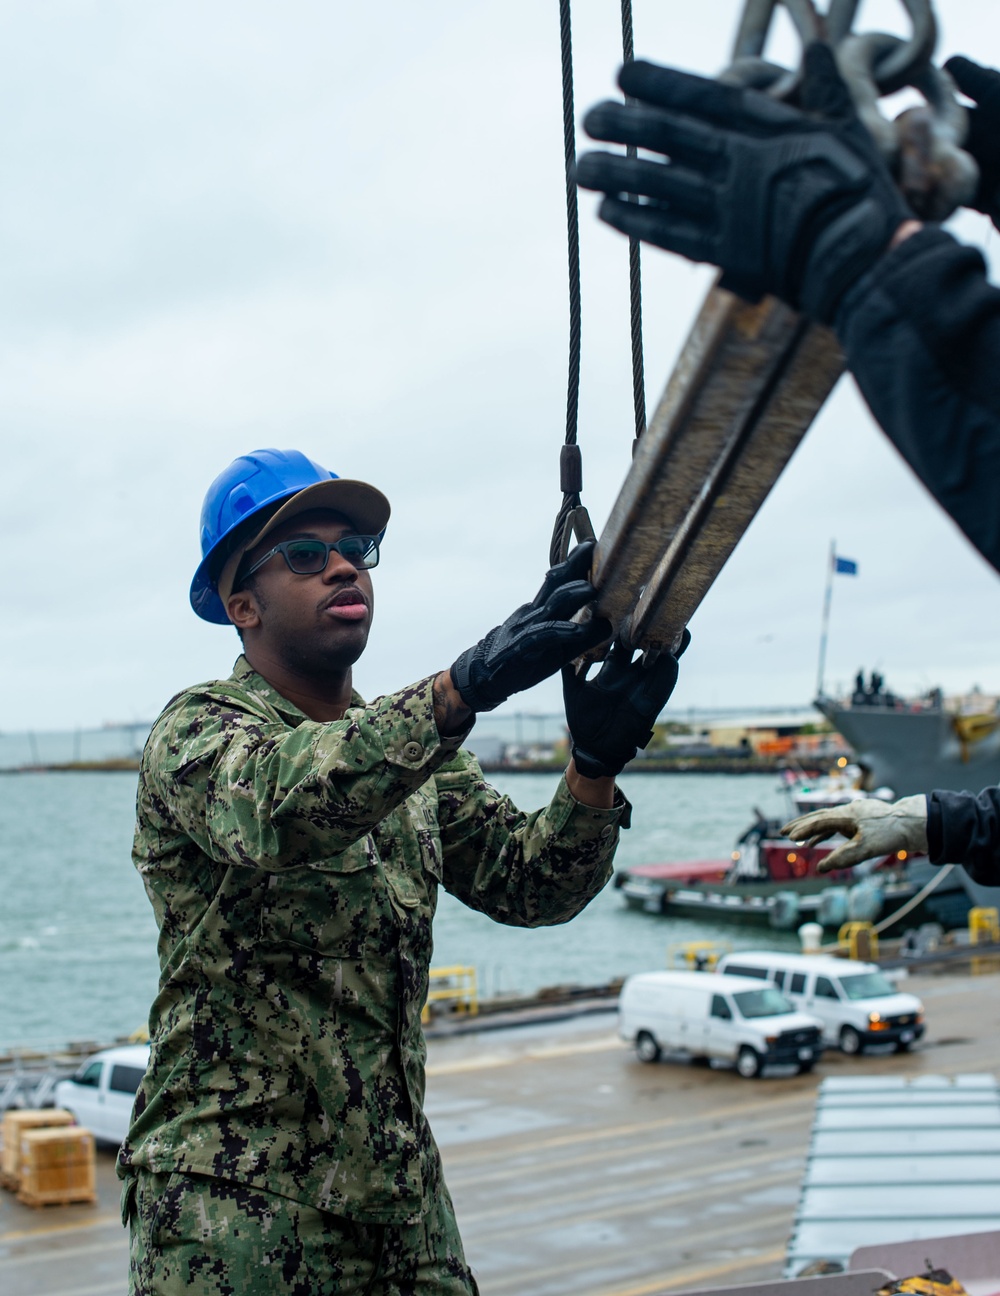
(767, 879)
(773, 880)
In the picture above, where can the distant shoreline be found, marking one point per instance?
(678, 765)
(681, 765)
(116, 766)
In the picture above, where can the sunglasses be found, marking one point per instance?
(308, 557)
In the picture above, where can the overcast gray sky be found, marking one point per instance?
(340, 227)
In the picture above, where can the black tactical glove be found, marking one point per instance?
(790, 202)
(536, 640)
(612, 715)
(982, 86)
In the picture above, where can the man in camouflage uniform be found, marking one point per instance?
(292, 839)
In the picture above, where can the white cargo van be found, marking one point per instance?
(857, 1004)
(710, 1016)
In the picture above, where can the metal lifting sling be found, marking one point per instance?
(752, 378)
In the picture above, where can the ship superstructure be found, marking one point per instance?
(918, 745)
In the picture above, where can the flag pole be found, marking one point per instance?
(821, 670)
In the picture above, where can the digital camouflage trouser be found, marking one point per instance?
(191, 1235)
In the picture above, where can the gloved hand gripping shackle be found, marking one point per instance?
(923, 144)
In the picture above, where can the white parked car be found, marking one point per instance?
(100, 1095)
(857, 1004)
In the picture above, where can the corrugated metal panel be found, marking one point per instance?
(954, 1167)
(894, 1160)
(905, 1201)
(903, 1142)
(923, 1115)
(847, 1089)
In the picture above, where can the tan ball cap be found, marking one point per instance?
(365, 506)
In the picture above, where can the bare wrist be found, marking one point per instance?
(903, 233)
(598, 793)
(451, 715)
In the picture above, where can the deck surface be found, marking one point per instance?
(576, 1169)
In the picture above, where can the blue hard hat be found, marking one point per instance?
(254, 484)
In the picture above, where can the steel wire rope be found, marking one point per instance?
(572, 223)
(571, 513)
(570, 466)
(634, 267)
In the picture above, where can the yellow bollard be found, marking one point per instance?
(697, 956)
(984, 929)
(859, 940)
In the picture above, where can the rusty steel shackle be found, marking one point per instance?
(923, 144)
(895, 67)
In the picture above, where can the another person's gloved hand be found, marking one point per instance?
(796, 203)
(982, 86)
(612, 715)
(874, 829)
(536, 640)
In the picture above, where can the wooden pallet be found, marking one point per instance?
(64, 1198)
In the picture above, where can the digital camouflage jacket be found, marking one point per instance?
(293, 868)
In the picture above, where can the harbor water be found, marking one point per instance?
(78, 941)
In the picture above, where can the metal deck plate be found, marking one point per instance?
(895, 1160)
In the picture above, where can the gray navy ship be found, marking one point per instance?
(918, 745)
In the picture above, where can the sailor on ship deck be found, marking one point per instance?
(292, 839)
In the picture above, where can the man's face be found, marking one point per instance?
(314, 623)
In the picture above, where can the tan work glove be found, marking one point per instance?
(873, 827)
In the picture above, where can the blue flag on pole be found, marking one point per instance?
(845, 566)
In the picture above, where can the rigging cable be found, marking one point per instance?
(572, 517)
(634, 269)
(570, 463)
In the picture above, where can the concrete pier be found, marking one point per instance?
(576, 1169)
